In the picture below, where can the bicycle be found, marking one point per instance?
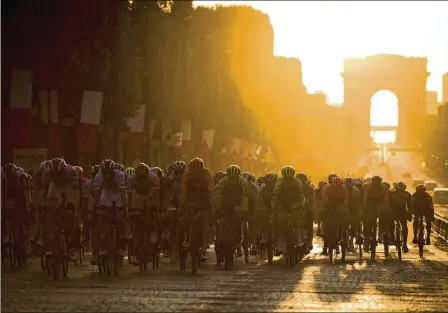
(398, 235)
(111, 261)
(290, 253)
(225, 242)
(16, 235)
(372, 227)
(195, 241)
(421, 235)
(138, 247)
(154, 246)
(59, 258)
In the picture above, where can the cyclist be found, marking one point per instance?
(335, 200)
(197, 194)
(110, 193)
(16, 197)
(376, 198)
(59, 182)
(318, 193)
(143, 188)
(355, 210)
(421, 202)
(310, 207)
(252, 200)
(263, 209)
(400, 204)
(288, 198)
(232, 198)
(87, 206)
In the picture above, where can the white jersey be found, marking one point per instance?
(143, 186)
(68, 176)
(117, 183)
(87, 188)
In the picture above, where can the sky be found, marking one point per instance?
(322, 34)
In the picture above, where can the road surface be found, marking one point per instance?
(314, 285)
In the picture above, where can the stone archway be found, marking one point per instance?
(405, 77)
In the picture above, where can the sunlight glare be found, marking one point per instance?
(384, 136)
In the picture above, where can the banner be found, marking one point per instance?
(208, 135)
(21, 89)
(54, 107)
(44, 101)
(185, 128)
(236, 145)
(29, 159)
(92, 103)
(136, 123)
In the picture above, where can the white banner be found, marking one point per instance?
(92, 103)
(208, 136)
(21, 89)
(54, 107)
(136, 123)
(185, 128)
(29, 159)
(44, 106)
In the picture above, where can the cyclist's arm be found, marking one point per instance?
(300, 192)
(155, 181)
(121, 184)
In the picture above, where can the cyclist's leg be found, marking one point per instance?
(51, 202)
(415, 227)
(205, 230)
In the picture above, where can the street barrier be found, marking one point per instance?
(440, 226)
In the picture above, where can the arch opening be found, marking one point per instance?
(384, 117)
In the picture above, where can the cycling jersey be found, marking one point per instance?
(197, 188)
(144, 191)
(173, 186)
(374, 196)
(232, 195)
(111, 187)
(60, 185)
(422, 203)
(354, 202)
(400, 202)
(17, 187)
(265, 194)
(288, 194)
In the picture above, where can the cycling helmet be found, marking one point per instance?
(119, 166)
(260, 180)
(246, 176)
(302, 177)
(337, 181)
(156, 170)
(107, 165)
(348, 181)
(129, 171)
(420, 188)
(57, 164)
(270, 178)
(321, 184)
(8, 169)
(376, 180)
(142, 170)
(385, 183)
(79, 170)
(218, 176)
(288, 172)
(357, 181)
(331, 176)
(94, 169)
(400, 186)
(178, 166)
(233, 171)
(196, 164)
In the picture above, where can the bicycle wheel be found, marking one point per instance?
(360, 248)
(331, 254)
(64, 254)
(270, 246)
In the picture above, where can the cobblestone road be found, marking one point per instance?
(314, 285)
